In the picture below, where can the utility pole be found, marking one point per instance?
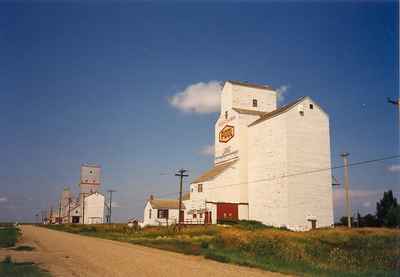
(110, 191)
(69, 209)
(346, 187)
(83, 195)
(180, 174)
(51, 214)
(59, 212)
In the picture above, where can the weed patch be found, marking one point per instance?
(8, 236)
(24, 248)
(10, 269)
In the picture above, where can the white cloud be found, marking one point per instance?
(282, 92)
(394, 168)
(207, 150)
(3, 199)
(198, 98)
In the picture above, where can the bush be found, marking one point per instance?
(8, 237)
(251, 225)
(227, 222)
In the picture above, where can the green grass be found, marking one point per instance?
(323, 252)
(8, 268)
(24, 248)
(8, 236)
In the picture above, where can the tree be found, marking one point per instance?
(387, 211)
(359, 220)
(369, 220)
(343, 220)
(392, 218)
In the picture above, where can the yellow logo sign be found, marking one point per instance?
(226, 134)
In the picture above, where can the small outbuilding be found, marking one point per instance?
(161, 212)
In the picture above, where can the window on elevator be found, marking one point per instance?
(255, 104)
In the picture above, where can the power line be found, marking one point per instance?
(288, 175)
(298, 174)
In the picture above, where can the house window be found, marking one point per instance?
(254, 102)
(201, 215)
(302, 113)
(226, 115)
(150, 213)
(162, 213)
(200, 188)
(311, 106)
(194, 215)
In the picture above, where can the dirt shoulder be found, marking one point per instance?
(65, 254)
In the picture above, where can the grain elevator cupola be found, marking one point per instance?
(90, 180)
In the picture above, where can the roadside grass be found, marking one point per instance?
(323, 252)
(8, 236)
(10, 269)
(23, 248)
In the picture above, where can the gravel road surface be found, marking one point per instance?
(65, 254)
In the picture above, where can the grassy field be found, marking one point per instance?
(325, 252)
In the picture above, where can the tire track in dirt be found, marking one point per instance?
(65, 254)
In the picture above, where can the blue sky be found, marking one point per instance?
(93, 83)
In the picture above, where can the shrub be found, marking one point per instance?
(251, 225)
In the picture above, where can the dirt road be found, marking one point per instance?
(65, 254)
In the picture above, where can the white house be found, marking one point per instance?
(161, 212)
(263, 156)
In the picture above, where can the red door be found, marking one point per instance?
(227, 211)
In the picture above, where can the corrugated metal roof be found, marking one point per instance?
(278, 111)
(245, 84)
(165, 204)
(213, 172)
(252, 112)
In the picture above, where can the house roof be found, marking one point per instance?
(213, 172)
(245, 84)
(278, 111)
(245, 111)
(165, 204)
